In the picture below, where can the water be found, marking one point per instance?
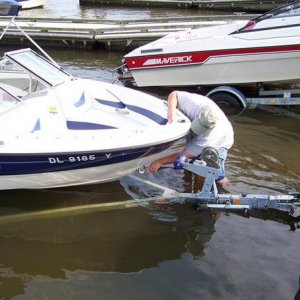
(151, 251)
(72, 9)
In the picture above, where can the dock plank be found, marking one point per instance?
(222, 5)
(77, 34)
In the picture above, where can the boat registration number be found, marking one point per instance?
(71, 159)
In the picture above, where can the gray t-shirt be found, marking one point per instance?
(221, 135)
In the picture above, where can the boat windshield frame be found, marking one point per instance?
(279, 12)
(38, 66)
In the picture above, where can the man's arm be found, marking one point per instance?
(172, 105)
(154, 166)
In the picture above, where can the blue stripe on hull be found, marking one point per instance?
(21, 164)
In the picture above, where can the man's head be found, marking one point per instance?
(206, 119)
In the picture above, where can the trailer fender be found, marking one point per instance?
(236, 97)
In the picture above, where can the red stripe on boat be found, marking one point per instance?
(175, 59)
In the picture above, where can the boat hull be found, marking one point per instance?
(69, 131)
(52, 170)
(238, 66)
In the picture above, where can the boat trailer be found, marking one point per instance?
(236, 97)
(208, 166)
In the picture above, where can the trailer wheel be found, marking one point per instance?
(227, 102)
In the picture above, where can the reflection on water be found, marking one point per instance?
(72, 9)
(265, 155)
(118, 241)
(39, 251)
(138, 251)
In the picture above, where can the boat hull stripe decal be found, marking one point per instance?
(149, 114)
(190, 58)
(76, 125)
(119, 105)
(142, 111)
(81, 101)
(22, 164)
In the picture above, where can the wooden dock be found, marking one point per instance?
(110, 34)
(139, 3)
(221, 5)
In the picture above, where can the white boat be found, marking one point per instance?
(9, 8)
(262, 50)
(30, 4)
(57, 130)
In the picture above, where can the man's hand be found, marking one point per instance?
(154, 166)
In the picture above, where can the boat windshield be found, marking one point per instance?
(38, 67)
(284, 11)
(290, 10)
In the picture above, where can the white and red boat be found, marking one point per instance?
(262, 50)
